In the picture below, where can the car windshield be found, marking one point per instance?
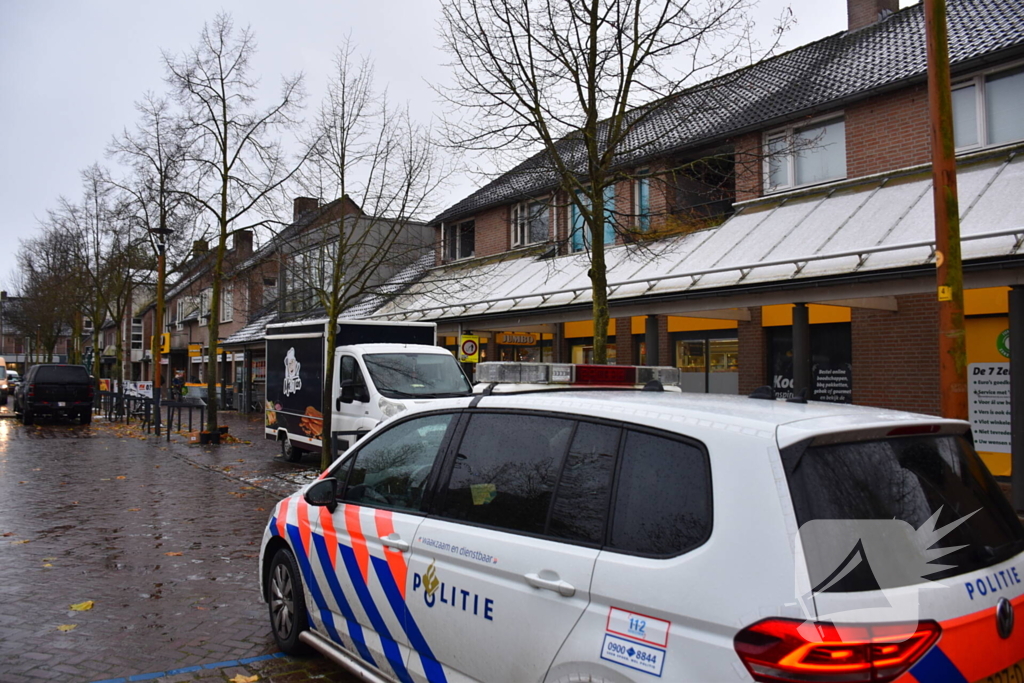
(885, 483)
(417, 375)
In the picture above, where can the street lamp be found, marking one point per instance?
(161, 245)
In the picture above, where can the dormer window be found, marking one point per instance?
(805, 155)
(530, 223)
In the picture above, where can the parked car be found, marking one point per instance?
(55, 390)
(13, 380)
(622, 535)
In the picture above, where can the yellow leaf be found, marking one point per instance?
(173, 554)
(47, 564)
(241, 678)
(82, 606)
(20, 542)
(67, 627)
(121, 477)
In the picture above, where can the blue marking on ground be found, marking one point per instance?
(190, 669)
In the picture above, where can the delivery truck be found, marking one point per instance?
(380, 369)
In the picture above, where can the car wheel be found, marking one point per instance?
(289, 452)
(286, 599)
(27, 417)
(85, 416)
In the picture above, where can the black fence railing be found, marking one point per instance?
(179, 407)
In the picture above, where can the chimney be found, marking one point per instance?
(861, 13)
(303, 205)
(200, 247)
(243, 243)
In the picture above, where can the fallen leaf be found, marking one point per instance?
(261, 510)
(241, 678)
(47, 564)
(9, 533)
(173, 554)
(134, 509)
(67, 627)
(49, 559)
(22, 482)
(202, 608)
(121, 477)
(249, 487)
(20, 542)
(82, 606)
(37, 469)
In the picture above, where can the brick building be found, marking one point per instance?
(794, 192)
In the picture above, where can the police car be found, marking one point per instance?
(588, 533)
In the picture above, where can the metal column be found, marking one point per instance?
(651, 340)
(1017, 398)
(801, 350)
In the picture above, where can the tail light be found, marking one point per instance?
(793, 650)
(31, 390)
(90, 395)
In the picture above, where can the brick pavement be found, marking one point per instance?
(153, 533)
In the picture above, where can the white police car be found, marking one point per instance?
(621, 535)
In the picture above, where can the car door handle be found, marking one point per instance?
(549, 580)
(395, 541)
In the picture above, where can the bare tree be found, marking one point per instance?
(46, 288)
(383, 169)
(236, 157)
(156, 153)
(575, 80)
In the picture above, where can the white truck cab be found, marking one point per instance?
(380, 370)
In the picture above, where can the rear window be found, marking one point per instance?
(62, 374)
(910, 479)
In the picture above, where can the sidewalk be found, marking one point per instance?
(248, 457)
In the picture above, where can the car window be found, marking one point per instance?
(505, 470)
(581, 499)
(909, 479)
(61, 374)
(391, 470)
(663, 496)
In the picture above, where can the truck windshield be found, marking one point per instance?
(907, 479)
(419, 375)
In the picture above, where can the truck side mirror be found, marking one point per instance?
(348, 391)
(362, 394)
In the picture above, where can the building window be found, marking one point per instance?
(205, 298)
(987, 109)
(579, 238)
(642, 203)
(805, 155)
(227, 305)
(459, 240)
(269, 290)
(136, 334)
(87, 325)
(529, 223)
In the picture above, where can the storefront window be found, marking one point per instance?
(709, 361)
(584, 352)
(831, 368)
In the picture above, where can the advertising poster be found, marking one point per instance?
(988, 390)
(294, 373)
(831, 367)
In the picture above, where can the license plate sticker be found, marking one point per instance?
(1011, 674)
(650, 660)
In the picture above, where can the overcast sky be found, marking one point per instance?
(71, 70)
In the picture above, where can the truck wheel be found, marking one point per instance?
(27, 417)
(287, 604)
(289, 452)
(85, 416)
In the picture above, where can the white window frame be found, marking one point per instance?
(227, 304)
(459, 256)
(205, 297)
(978, 81)
(642, 216)
(136, 338)
(269, 288)
(521, 218)
(788, 157)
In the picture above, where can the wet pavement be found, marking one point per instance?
(157, 540)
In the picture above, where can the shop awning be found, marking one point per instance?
(867, 225)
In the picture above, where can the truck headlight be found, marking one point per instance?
(389, 408)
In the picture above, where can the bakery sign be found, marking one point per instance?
(517, 338)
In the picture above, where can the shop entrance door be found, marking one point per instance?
(709, 361)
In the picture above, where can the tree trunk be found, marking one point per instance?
(326, 407)
(599, 278)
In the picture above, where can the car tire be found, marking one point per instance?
(287, 604)
(289, 452)
(27, 417)
(85, 416)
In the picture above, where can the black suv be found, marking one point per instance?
(54, 390)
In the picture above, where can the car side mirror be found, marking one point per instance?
(324, 493)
